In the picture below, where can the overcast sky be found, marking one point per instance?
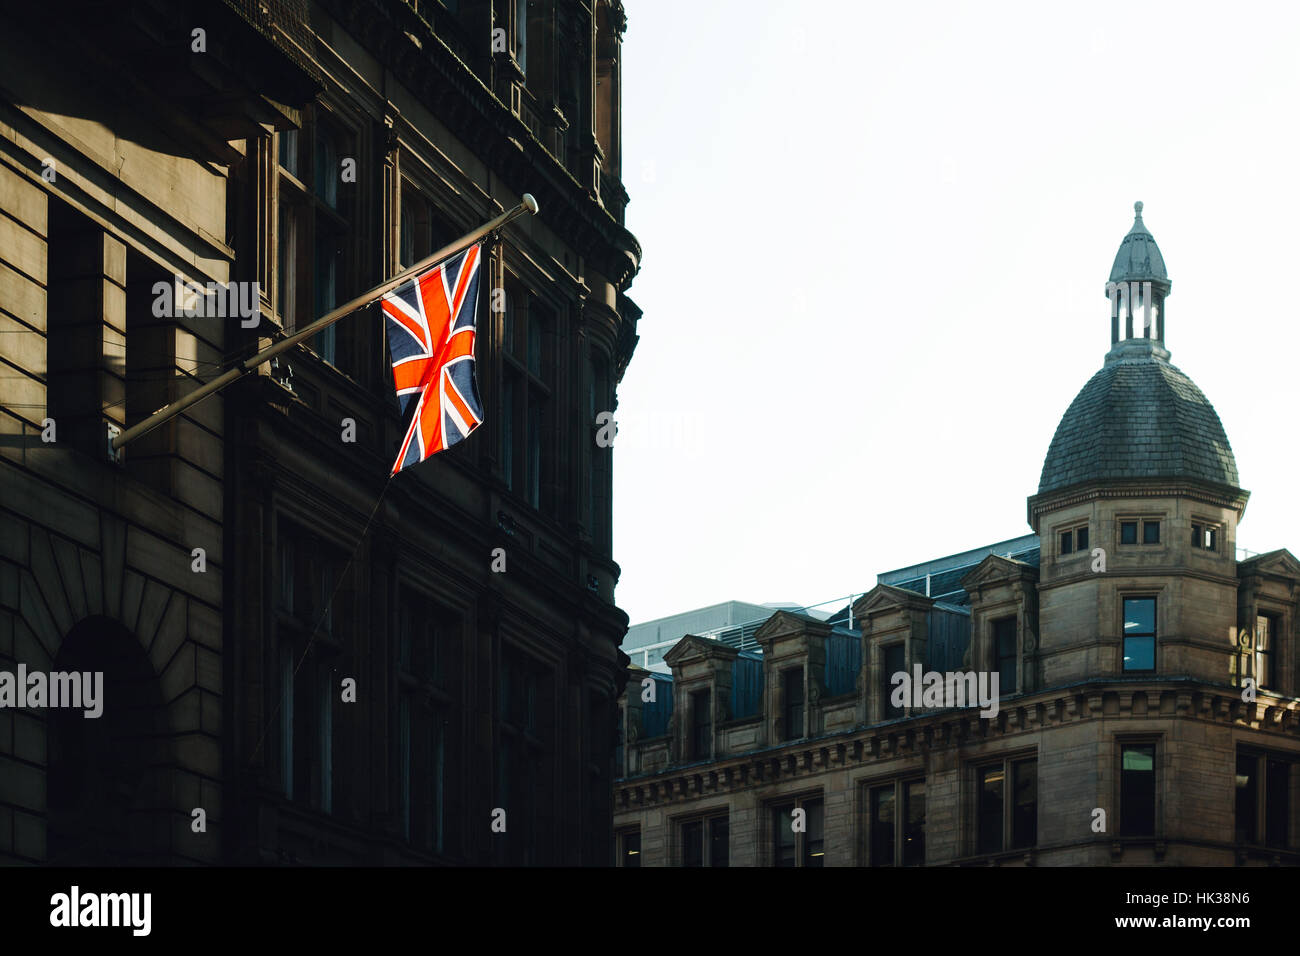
(877, 238)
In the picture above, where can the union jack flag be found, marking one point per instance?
(431, 327)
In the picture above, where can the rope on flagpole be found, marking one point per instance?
(365, 529)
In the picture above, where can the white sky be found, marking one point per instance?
(877, 237)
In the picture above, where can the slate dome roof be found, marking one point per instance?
(1139, 417)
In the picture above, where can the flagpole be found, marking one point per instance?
(168, 412)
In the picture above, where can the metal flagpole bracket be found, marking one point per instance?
(528, 205)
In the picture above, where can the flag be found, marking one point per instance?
(431, 327)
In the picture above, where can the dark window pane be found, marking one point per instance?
(1137, 791)
(702, 726)
(289, 151)
(693, 843)
(533, 487)
(1081, 539)
(535, 341)
(783, 835)
(990, 809)
(1263, 651)
(1198, 536)
(1277, 803)
(508, 432)
(1150, 532)
(793, 693)
(914, 823)
(1139, 634)
(882, 826)
(632, 848)
(1024, 820)
(719, 842)
(1247, 798)
(813, 847)
(1139, 654)
(1067, 542)
(893, 665)
(1128, 532)
(1004, 635)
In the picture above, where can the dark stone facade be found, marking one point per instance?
(209, 140)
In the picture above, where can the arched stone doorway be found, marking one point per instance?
(109, 777)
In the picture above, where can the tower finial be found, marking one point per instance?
(1137, 208)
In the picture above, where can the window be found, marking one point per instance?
(620, 735)
(792, 695)
(1074, 539)
(1137, 790)
(896, 838)
(151, 368)
(991, 789)
(80, 376)
(1024, 809)
(528, 366)
(706, 841)
(1246, 811)
(1265, 628)
(627, 847)
(701, 725)
(797, 839)
(894, 664)
(1004, 649)
(1002, 824)
(598, 496)
(1205, 537)
(1128, 532)
(1150, 532)
(883, 826)
(316, 229)
(426, 647)
(1277, 802)
(310, 626)
(1140, 634)
(521, 35)
(423, 230)
(524, 711)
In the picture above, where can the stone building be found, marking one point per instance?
(1149, 680)
(313, 147)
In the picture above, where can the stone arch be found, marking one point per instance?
(62, 586)
(109, 778)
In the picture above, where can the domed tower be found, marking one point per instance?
(1137, 507)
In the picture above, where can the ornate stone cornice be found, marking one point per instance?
(860, 747)
(1224, 496)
